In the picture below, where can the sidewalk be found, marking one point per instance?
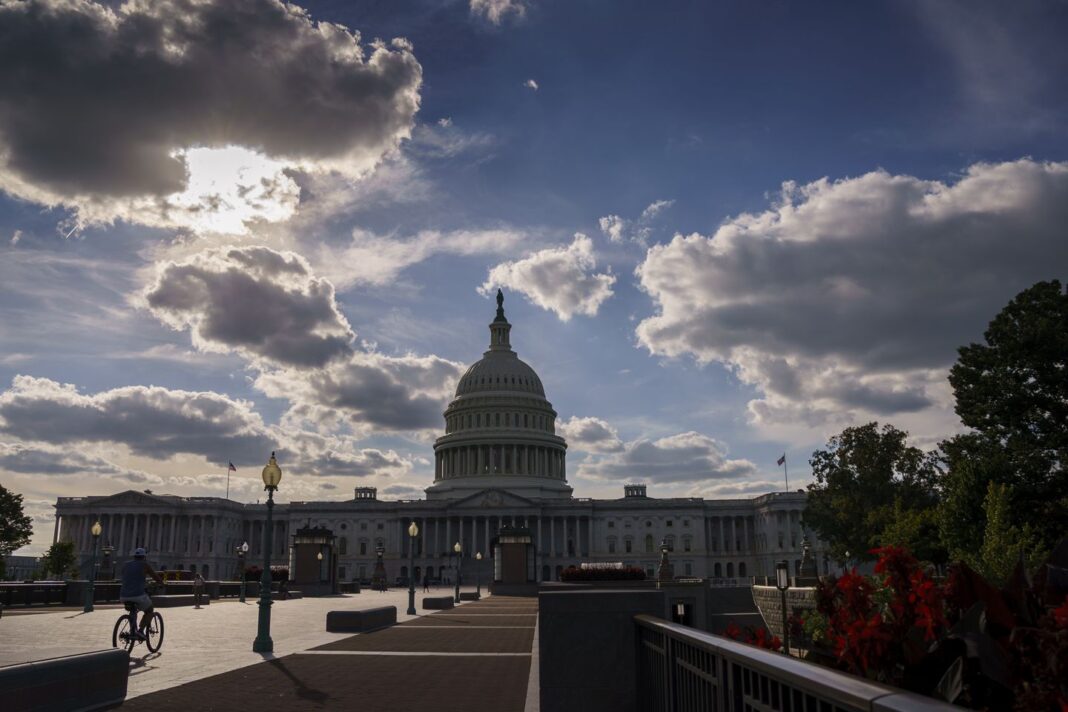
(197, 643)
(475, 657)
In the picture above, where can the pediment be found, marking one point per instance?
(492, 498)
(133, 498)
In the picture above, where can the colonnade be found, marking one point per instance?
(464, 460)
(554, 536)
(731, 534)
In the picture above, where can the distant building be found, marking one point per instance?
(500, 462)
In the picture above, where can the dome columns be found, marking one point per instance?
(499, 459)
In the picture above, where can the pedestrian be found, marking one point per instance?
(426, 583)
(198, 590)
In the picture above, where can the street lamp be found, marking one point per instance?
(413, 532)
(95, 530)
(459, 560)
(272, 475)
(782, 582)
(241, 551)
(319, 557)
(478, 574)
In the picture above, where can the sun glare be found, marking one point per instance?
(232, 186)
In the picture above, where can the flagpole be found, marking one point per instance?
(786, 470)
(228, 481)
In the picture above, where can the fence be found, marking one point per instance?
(681, 669)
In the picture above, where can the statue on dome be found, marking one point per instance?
(500, 303)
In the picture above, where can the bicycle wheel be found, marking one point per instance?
(122, 636)
(154, 632)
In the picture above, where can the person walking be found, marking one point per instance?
(426, 583)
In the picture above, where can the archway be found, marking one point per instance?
(717, 570)
(730, 570)
(741, 569)
(546, 573)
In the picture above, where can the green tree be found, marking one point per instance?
(1012, 391)
(59, 559)
(867, 479)
(1003, 544)
(16, 527)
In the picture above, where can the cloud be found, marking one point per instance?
(16, 237)
(496, 11)
(559, 279)
(149, 420)
(590, 435)
(368, 392)
(531, 84)
(50, 461)
(618, 229)
(259, 302)
(849, 298)
(682, 458)
(403, 491)
(377, 260)
(102, 107)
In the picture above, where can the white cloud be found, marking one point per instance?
(590, 435)
(618, 229)
(497, 10)
(153, 117)
(559, 279)
(15, 237)
(655, 208)
(531, 84)
(683, 458)
(848, 299)
(612, 226)
(378, 259)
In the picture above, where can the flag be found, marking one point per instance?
(232, 468)
(779, 462)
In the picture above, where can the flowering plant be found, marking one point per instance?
(759, 637)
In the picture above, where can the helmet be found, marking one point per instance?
(139, 553)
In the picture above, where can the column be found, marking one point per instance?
(589, 536)
(174, 532)
(485, 537)
(552, 537)
(122, 534)
(448, 534)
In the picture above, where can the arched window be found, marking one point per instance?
(343, 546)
(546, 573)
(204, 572)
(741, 569)
(648, 543)
(670, 541)
(559, 570)
(686, 543)
(717, 570)
(730, 570)
(627, 545)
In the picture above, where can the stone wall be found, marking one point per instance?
(769, 602)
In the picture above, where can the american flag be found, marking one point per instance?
(780, 461)
(234, 469)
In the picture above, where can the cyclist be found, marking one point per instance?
(133, 587)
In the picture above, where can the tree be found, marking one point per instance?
(59, 559)
(16, 527)
(867, 479)
(1003, 545)
(1012, 392)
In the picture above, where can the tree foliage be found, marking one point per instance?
(870, 486)
(59, 559)
(1012, 391)
(16, 527)
(1003, 545)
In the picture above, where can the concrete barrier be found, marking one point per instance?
(176, 600)
(469, 596)
(437, 603)
(597, 627)
(362, 621)
(89, 681)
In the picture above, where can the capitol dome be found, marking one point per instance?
(500, 431)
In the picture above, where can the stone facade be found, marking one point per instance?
(499, 463)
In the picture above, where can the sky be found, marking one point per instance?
(725, 231)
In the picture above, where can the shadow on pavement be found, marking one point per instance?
(303, 691)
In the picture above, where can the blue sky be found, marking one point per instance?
(724, 230)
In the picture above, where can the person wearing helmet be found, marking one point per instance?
(133, 587)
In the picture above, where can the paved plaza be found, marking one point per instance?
(479, 651)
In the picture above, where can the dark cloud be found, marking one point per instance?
(361, 463)
(150, 421)
(26, 459)
(254, 300)
(97, 100)
(854, 295)
(686, 457)
(404, 491)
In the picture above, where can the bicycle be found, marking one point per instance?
(125, 633)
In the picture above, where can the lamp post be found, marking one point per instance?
(88, 607)
(413, 532)
(272, 475)
(782, 582)
(478, 574)
(241, 551)
(459, 559)
(319, 558)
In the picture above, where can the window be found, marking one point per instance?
(669, 522)
(648, 524)
(343, 546)
(380, 526)
(730, 570)
(363, 548)
(611, 525)
(363, 526)
(340, 573)
(741, 569)
(498, 420)
(611, 546)
(685, 522)
(689, 569)
(648, 543)
(526, 420)
(717, 571)
(686, 543)
(627, 545)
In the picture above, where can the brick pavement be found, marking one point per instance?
(413, 666)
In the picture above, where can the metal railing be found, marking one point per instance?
(681, 669)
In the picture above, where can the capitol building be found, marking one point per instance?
(499, 463)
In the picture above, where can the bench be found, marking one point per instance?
(174, 600)
(469, 596)
(437, 603)
(361, 621)
(88, 681)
